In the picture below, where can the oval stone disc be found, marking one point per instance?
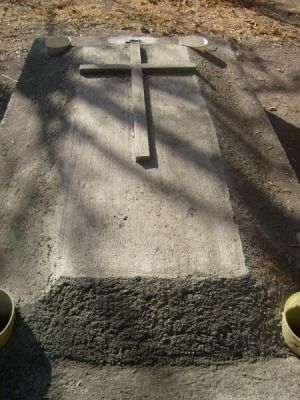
(196, 42)
(57, 45)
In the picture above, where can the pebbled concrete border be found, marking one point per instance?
(165, 321)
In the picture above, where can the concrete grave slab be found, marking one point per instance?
(167, 218)
(106, 257)
(73, 197)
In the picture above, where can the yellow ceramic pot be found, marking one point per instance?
(291, 323)
(7, 316)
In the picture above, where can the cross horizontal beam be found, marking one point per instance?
(118, 68)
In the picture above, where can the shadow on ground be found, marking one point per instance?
(289, 136)
(278, 12)
(273, 81)
(5, 93)
(25, 372)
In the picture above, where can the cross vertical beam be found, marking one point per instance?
(142, 150)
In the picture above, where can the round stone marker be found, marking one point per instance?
(57, 45)
(196, 42)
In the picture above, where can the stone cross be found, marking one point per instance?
(136, 67)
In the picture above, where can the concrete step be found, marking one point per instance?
(264, 380)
